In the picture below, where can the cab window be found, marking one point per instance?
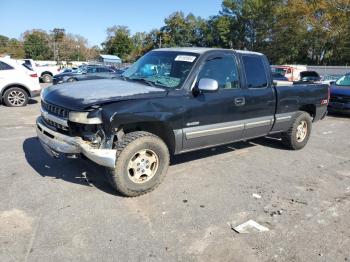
(255, 72)
(223, 69)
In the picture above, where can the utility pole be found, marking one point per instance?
(58, 34)
(160, 41)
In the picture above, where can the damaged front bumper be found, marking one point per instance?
(56, 144)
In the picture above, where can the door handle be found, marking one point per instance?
(239, 101)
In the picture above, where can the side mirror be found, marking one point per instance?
(332, 82)
(207, 84)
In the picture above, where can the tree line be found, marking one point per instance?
(54, 45)
(313, 32)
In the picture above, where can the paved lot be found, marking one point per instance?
(65, 210)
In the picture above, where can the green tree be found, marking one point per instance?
(3, 43)
(181, 30)
(36, 45)
(15, 49)
(118, 42)
(11, 47)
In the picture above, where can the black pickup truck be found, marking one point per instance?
(173, 101)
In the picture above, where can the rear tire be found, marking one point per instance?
(47, 78)
(15, 97)
(141, 165)
(299, 133)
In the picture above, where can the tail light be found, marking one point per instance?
(329, 93)
(34, 75)
(326, 101)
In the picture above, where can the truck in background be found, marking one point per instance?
(45, 72)
(292, 72)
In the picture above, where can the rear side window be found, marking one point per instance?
(4, 66)
(27, 67)
(92, 70)
(103, 70)
(255, 71)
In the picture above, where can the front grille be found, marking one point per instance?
(55, 125)
(55, 110)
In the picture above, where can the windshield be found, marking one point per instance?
(343, 81)
(162, 68)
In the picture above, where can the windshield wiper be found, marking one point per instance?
(144, 80)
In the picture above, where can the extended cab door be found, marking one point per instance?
(214, 118)
(260, 97)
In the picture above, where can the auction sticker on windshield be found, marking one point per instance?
(185, 58)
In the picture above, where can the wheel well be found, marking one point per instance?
(157, 128)
(311, 109)
(18, 86)
(46, 73)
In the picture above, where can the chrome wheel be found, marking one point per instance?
(301, 131)
(16, 98)
(143, 166)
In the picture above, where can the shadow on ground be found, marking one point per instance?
(32, 102)
(78, 171)
(338, 115)
(86, 173)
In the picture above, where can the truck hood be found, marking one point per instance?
(340, 90)
(78, 96)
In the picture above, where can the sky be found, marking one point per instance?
(90, 19)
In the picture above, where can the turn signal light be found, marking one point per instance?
(34, 75)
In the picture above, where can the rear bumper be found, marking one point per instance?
(321, 113)
(57, 144)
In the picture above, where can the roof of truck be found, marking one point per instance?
(201, 50)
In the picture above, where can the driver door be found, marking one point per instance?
(215, 118)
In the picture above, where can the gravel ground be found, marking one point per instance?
(64, 210)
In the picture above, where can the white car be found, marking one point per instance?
(45, 72)
(17, 83)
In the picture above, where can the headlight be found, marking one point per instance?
(43, 93)
(91, 118)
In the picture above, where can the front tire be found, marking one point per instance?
(141, 165)
(15, 97)
(299, 133)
